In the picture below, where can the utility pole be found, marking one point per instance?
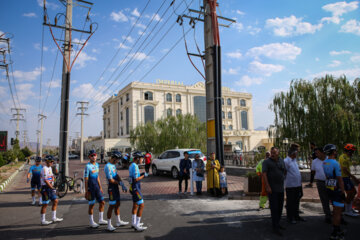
(41, 119)
(37, 145)
(25, 137)
(18, 116)
(67, 66)
(82, 113)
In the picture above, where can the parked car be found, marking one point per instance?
(169, 161)
(73, 156)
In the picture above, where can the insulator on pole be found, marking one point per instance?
(55, 21)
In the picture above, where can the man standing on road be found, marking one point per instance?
(135, 190)
(94, 190)
(148, 159)
(335, 188)
(293, 187)
(317, 172)
(48, 192)
(35, 172)
(263, 194)
(114, 180)
(345, 164)
(273, 170)
(184, 173)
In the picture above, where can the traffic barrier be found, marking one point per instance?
(4, 184)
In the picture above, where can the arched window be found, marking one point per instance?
(242, 103)
(228, 101)
(169, 97)
(178, 112)
(230, 127)
(229, 115)
(178, 98)
(149, 114)
(223, 114)
(244, 120)
(222, 101)
(169, 112)
(148, 95)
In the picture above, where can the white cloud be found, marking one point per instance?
(25, 91)
(238, 26)
(352, 26)
(335, 53)
(253, 30)
(123, 46)
(141, 32)
(30, 14)
(338, 9)
(56, 83)
(3, 91)
(280, 51)
(135, 12)
(155, 17)
(240, 12)
(49, 4)
(95, 50)
(231, 71)
(291, 26)
(27, 76)
(86, 91)
(119, 17)
(129, 39)
(317, 59)
(279, 90)
(138, 56)
(38, 47)
(237, 54)
(349, 73)
(355, 58)
(140, 25)
(248, 81)
(82, 59)
(334, 63)
(265, 69)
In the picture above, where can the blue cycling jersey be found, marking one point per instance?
(110, 171)
(134, 171)
(91, 171)
(331, 168)
(35, 171)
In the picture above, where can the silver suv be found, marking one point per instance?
(169, 161)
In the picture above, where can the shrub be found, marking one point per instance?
(2, 161)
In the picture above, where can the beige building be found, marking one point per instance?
(139, 102)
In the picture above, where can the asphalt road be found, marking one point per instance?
(177, 217)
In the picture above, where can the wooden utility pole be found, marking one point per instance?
(82, 114)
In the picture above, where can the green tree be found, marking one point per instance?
(2, 161)
(183, 131)
(26, 151)
(325, 110)
(9, 156)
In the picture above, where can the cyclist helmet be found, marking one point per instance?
(116, 154)
(329, 148)
(137, 154)
(349, 148)
(38, 159)
(92, 152)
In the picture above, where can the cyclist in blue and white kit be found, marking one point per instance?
(94, 190)
(135, 190)
(335, 188)
(114, 180)
(34, 173)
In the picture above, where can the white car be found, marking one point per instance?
(169, 161)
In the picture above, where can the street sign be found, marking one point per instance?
(3, 141)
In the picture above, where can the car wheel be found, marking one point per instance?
(174, 173)
(154, 170)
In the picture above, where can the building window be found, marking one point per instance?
(230, 127)
(104, 111)
(127, 97)
(121, 102)
(200, 108)
(109, 109)
(121, 116)
(108, 121)
(244, 120)
(242, 103)
(178, 112)
(228, 101)
(169, 97)
(169, 112)
(229, 115)
(223, 127)
(149, 114)
(240, 144)
(121, 131)
(223, 114)
(148, 96)
(222, 101)
(127, 120)
(178, 98)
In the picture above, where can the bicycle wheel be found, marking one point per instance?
(78, 184)
(61, 189)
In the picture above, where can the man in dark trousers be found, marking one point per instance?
(184, 174)
(274, 174)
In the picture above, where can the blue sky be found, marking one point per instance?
(272, 43)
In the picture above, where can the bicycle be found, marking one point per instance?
(70, 183)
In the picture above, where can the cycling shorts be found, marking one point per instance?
(48, 194)
(94, 194)
(35, 184)
(336, 197)
(114, 194)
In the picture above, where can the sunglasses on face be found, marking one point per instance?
(93, 155)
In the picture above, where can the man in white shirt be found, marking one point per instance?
(293, 187)
(317, 173)
(48, 192)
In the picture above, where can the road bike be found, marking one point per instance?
(70, 183)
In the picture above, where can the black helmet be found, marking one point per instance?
(91, 152)
(38, 159)
(329, 148)
(116, 154)
(137, 154)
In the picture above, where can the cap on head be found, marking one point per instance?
(329, 149)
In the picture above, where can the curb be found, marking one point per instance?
(4, 184)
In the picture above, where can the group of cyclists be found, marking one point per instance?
(42, 180)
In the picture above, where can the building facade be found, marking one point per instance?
(139, 102)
